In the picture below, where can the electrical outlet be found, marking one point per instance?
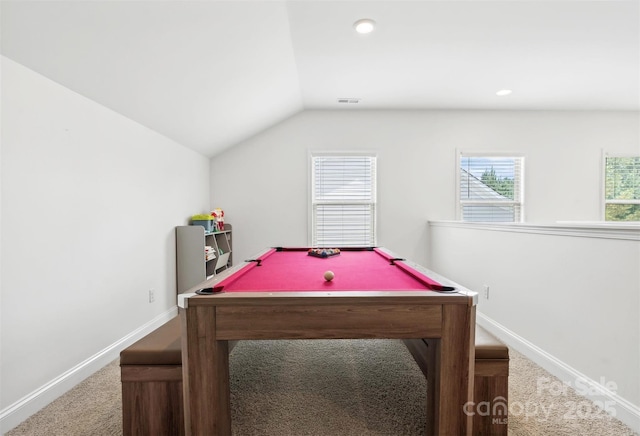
(486, 292)
(152, 295)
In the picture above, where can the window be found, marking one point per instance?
(622, 188)
(490, 188)
(343, 197)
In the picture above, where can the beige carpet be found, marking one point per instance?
(346, 387)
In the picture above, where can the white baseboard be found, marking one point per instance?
(622, 409)
(22, 409)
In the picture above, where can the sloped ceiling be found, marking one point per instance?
(210, 74)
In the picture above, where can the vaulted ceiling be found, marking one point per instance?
(210, 74)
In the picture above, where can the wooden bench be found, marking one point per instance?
(151, 375)
(491, 381)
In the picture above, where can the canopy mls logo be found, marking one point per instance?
(568, 400)
(498, 409)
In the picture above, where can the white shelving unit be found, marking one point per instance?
(193, 265)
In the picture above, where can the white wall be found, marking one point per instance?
(89, 204)
(575, 296)
(263, 183)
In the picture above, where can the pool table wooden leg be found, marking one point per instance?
(454, 368)
(205, 374)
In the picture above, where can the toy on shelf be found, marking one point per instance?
(218, 215)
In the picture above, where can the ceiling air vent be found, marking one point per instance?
(348, 100)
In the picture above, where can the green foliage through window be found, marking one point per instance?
(622, 188)
(502, 185)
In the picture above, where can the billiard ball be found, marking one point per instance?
(329, 275)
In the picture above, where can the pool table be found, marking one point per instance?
(282, 293)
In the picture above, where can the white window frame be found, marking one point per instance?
(313, 202)
(491, 154)
(603, 187)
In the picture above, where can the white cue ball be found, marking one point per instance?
(329, 275)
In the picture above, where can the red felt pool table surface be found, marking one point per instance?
(355, 270)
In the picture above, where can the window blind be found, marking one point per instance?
(622, 188)
(490, 188)
(343, 201)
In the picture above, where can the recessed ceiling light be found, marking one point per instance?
(503, 92)
(364, 26)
